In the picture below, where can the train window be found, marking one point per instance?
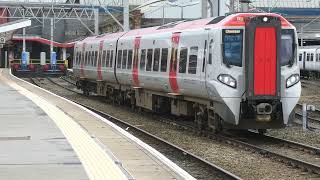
(183, 60)
(164, 59)
(193, 57)
(111, 59)
(129, 59)
(103, 59)
(95, 58)
(107, 58)
(300, 57)
(86, 58)
(311, 56)
(119, 57)
(156, 59)
(90, 59)
(143, 59)
(318, 57)
(149, 59)
(308, 56)
(287, 47)
(232, 46)
(124, 60)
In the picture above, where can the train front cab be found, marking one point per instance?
(271, 76)
(267, 85)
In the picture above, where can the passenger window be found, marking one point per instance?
(318, 57)
(129, 59)
(156, 59)
(143, 59)
(107, 58)
(164, 59)
(124, 60)
(183, 60)
(193, 56)
(308, 56)
(311, 59)
(119, 59)
(95, 58)
(90, 58)
(103, 59)
(149, 59)
(86, 58)
(300, 57)
(111, 59)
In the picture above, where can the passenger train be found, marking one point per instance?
(309, 61)
(235, 71)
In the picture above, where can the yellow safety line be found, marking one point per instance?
(95, 160)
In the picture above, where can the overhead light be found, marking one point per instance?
(265, 19)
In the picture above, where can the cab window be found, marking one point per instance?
(232, 46)
(287, 47)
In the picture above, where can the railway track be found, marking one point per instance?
(302, 156)
(193, 161)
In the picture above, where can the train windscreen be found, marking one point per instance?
(232, 46)
(287, 47)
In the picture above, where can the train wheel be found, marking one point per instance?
(200, 118)
(217, 124)
(262, 131)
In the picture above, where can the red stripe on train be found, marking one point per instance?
(265, 74)
(82, 61)
(135, 72)
(99, 71)
(173, 63)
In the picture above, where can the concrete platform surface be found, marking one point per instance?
(32, 146)
(27, 119)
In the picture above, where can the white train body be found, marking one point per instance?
(309, 61)
(198, 69)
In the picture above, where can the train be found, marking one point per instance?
(309, 61)
(238, 71)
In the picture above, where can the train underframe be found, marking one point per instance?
(201, 111)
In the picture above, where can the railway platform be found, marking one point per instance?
(44, 136)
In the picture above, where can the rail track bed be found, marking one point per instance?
(300, 159)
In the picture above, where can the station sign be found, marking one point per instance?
(53, 58)
(25, 58)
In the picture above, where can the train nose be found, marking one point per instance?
(264, 109)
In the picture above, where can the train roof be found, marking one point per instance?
(233, 20)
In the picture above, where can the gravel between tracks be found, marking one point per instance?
(246, 164)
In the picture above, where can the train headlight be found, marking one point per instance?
(292, 80)
(227, 80)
